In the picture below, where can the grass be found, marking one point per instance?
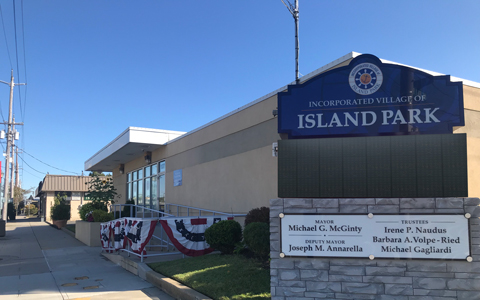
(71, 227)
(220, 277)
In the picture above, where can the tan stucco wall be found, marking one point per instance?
(133, 165)
(471, 102)
(227, 166)
(49, 203)
(472, 129)
(471, 98)
(244, 119)
(120, 183)
(235, 183)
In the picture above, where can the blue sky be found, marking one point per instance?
(93, 68)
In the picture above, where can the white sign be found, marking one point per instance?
(76, 196)
(383, 236)
(177, 177)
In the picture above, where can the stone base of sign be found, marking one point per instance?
(380, 279)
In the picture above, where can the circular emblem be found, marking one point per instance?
(365, 79)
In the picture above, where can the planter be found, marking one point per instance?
(88, 233)
(60, 223)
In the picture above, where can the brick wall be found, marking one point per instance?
(379, 279)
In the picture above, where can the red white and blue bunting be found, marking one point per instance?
(188, 234)
(136, 232)
(105, 234)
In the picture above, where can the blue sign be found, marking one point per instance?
(368, 98)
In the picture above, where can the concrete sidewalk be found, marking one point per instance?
(38, 261)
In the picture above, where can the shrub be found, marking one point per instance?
(261, 214)
(224, 235)
(126, 210)
(257, 238)
(60, 212)
(85, 209)
(102, 216)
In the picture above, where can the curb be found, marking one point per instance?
(173, 288)
(71, 233)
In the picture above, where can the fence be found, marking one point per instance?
(160, 243)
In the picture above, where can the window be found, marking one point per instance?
(146, 186)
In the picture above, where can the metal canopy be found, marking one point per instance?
(129, 145)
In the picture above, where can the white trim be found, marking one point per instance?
(452, 78)
(133, 135)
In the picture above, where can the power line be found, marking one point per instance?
(8, 52)
(5, 35)
(31, 166)
(48, 164)
(24, 64)
(25, 75)
(32, 174)
(16, 55)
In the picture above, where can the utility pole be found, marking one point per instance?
(12, 175)
(295, 13)
(17, 173)
(10, 137)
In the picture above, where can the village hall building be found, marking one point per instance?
(231, 164)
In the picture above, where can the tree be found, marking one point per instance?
(60, 198)
(31, 209)
(101, 190)
(20, 194)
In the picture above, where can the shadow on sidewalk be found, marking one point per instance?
(22, 219)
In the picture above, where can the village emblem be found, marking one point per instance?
(365, 79)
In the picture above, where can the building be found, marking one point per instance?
(230, 164)
(74, 187)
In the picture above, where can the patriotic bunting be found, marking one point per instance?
(137, 232)
(105, 233)
(188, 234)
(116, 226)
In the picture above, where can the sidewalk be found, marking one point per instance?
(38, 261)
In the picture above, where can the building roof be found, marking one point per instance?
(130, 144)
(124, 148)
(63, 183)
